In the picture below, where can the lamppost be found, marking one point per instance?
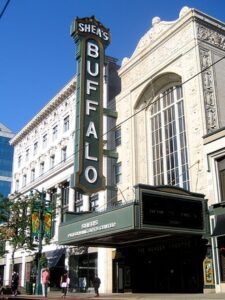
(40, 239)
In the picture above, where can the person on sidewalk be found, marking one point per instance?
(14, 283)
(45, 282)
(96, 284)
(64, 283)
(1, 285)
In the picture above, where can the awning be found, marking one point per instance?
(220, 226)
(154, 215)
(54, 257)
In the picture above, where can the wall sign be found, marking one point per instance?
(91, 39)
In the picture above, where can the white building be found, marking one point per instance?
(170, 167)
(44, 162)
(170, 162)
(173, 86)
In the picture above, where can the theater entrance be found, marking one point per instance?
(159, 239)
(173, 265)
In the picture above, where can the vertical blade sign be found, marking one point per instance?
(91, 39)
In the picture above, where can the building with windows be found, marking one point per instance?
(173, 87)
(6, 160)
(44, 162)
(169, 171)
(164, 184)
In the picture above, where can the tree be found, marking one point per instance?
(4, 215)
(15, 225)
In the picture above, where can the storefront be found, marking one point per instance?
(164, 229)
(217, 218)
(83, 267)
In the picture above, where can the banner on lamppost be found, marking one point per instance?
(36, 222)
(47, 222)
(91, 39)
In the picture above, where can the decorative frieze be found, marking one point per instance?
(208, 90)
(211, 36)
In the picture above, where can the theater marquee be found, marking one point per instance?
(91, 38)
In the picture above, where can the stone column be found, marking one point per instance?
(105, 269)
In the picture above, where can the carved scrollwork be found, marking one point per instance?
(208, 90)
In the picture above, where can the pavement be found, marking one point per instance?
(120, 296)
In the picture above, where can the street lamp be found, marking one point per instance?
(40, 239)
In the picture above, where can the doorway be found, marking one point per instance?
(170, 266)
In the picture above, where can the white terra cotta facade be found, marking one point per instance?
(189, 53)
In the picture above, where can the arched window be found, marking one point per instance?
(170, 161)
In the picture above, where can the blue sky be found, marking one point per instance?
(37, 53)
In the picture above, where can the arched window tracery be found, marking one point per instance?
(168, 135)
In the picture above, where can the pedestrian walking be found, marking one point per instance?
(45, 282)
(1, 285)
(14, 283)
(64, 283)
(96, 284)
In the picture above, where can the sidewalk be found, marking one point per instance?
(125, 296)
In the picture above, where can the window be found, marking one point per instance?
(17, 185)
(24, 180)
(42, 168)
(118, 174)
(118, 136)
(19, 160)
(66, 124)
(6, 157)
(64, 153)
(221, 246)
(5, 187)
(44, 141)
(35, 147)
(78, 201)
(64, 198)
(53, 203)
(27, 154)
(93, 202)
(52, 161)
(32, 174)
(54, 132)
(221, 170)
(170, 161)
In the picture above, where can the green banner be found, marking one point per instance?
(35, 223)
(48, 223)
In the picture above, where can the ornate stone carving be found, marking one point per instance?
(24, 170)
(33, 164)
(152, 35)
(52, 151)
(64, 142)
(158, 27)
(17, 176)
(211, 36)
(42, 157)
(208, 90)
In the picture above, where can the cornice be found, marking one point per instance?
(52, 104)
